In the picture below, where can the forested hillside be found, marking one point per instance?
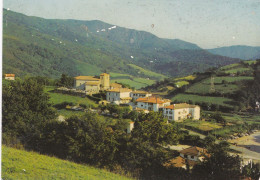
(242, 52)
(38, 46)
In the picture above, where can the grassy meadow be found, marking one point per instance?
(200, 99)
(146, 72)
(135, 82)
(202, 125)
(20, 164)
(57, 98)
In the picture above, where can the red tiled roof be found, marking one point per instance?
(115, 85)
(95, 83)
(9, 75)
(179, 162)
(193, 151)
(153, 100)
(89, 78)
(120, 90)
(180, 106)
(141, 92)
(103, 74)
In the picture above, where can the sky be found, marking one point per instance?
(207, 23)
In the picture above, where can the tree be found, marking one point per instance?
(218, 165)
(219, 118)
(26, 110)
(252, 170)
(209, 140)
(90, 139)
(66, 81)
(153, 127)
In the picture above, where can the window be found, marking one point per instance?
(192, 157)
(185, 156)
(179, 118)
(142, 105)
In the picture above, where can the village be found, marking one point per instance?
(142, 102)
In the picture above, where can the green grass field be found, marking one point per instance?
(200, 99)
(68, 113)
(204, 86)
(250, 62)
(239, 69)
(228, 79)
(230, 66)
(136, 83)
(57, 98)
(131, 80)
(147, 72)
(20, 164)
(120, 76)
(203, 125)
(181, 83)
(187, 78)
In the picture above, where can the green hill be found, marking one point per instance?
(49, 47)
(20, 164)
(242, 52)
(227, 85)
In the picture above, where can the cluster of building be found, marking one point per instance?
(139, 100)
(189, 156)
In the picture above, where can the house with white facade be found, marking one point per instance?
(181, 111)
(119, 95)
(193, 153)
(191, 156)
(130, 127)
(10, 76)
(139, 94)
(91, 83)
(152, 103)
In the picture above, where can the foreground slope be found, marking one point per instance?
(19, 164)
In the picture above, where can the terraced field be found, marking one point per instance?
(222, 84)
(202, 99)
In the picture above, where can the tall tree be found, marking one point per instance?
(26, 109)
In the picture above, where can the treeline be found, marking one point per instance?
(30, 122)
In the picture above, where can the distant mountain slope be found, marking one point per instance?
(49, 47)
(242, 52)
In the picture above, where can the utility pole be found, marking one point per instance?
(212, 86)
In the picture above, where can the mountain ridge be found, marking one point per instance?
(238, 51)
(62, 44)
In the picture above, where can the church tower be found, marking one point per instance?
(105, 81)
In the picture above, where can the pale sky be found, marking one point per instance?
(207, 23)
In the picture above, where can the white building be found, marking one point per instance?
(10, 76)
(181, 111)
(119, 95)
(152, 103)
(130, 127)
(193, 153)
(139, 94)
